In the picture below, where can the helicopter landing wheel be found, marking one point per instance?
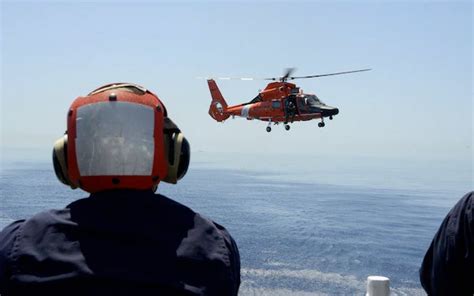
(321, 124)
(287, 127)
(269, 129)
(330, 117)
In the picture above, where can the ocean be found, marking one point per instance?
(305, 225)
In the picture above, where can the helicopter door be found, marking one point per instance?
(291, 108)
(291, 105)
(303, 105)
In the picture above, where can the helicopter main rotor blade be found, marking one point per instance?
(285, 77)
(230, 78)
(329, 74)
(236, 78)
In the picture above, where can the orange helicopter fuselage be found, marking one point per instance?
(270, 105)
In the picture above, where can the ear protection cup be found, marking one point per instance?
(60, 161)
(178, 152)
(184, 158)
(178, 156)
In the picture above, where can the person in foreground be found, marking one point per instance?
(448, 266)
(123, 239)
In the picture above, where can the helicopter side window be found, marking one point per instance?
(276, 104)
(256, 99)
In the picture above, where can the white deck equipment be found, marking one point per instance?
(378, 286)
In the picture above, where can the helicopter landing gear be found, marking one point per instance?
(321, 124)
(269, 128)
(287, 127)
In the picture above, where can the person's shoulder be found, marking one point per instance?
(52, 216)
(29, 232)
(209, 244)
(7, 241)
(49, 217)
(200, 221)
(214, 233)
(219, 246)
(10, 229)
(464, 212)
(469, 198)
(41, 226)
(464, 207)
(7, 238)
(163, 201)
(224, 232)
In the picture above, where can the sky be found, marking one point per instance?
(415, 103)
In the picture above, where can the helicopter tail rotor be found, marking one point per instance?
(218, 107)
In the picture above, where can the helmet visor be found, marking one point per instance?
(115, 138)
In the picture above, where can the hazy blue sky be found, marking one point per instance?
(416, 102)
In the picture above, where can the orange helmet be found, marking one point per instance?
(120, 137)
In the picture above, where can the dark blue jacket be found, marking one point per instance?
(448, 266)
(118, 243)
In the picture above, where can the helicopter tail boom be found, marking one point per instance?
(218, 107)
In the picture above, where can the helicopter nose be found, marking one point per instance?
(330, 112)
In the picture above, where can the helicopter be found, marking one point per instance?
(280, 102)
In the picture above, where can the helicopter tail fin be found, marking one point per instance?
(218, 107)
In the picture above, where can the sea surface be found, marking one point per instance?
(304, 226)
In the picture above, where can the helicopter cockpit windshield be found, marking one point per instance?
(309, 104)
(312, 100)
